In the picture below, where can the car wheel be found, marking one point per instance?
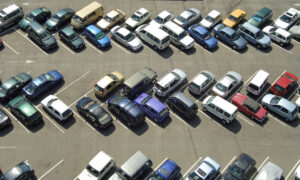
(252, 117)
(217, 36)
(155, 47)
(281, 44)
(234, 47)
(265, 107)
(205, 46)
(223, 121)
(286, 119)
(204, 109)
(98, 46)
(258, 46)
(182, 48)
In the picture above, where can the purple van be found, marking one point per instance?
(152, 107)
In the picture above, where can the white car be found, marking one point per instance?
(298, 106)
(162, 18)
(211, 19)
(188, 17)
(201, 82)
(297, 173)
(281, 36)
(127, 38)
(287, 19)
(138, 18)
(227, 83)
(170, 82)
(57, 108)
(97, 168)
(269, 171)
(112, 18)
(207, 170)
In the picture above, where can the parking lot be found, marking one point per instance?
(61, 151)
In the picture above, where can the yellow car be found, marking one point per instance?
(108, 83)
(110, 19)
(235, 17)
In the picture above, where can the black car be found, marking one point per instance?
(91, 110)
(21, 171)
(183, 105)
(71, 38)
(4, 119)
(126, 109)
(62, 17)
(240, 169)
(13, 85)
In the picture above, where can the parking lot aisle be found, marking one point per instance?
(202, 48)
(245, 119)
(225, 167)
(292, 170)
(277, 120)
(186, 173)
(115, 43)
(92, 46)
(13, 117)
(90, 126)
(281, 48)
(15, 51)
(224, 45)
(41, 177)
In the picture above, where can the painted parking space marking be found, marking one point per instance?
(15, 51)
(120, 47)
(160, 164)
(88, 43)
(60, 43)
(44, 114)
(261, 165)
(192, 167)
(88, 124)
(17, 121)
(228, 164)
(50, 169)
(81, 97)
(180, 119)
(279, 121)
(245, 120)
(292, 170)
(201, 47)
(224, 45)
(8, 147)
(276, 45)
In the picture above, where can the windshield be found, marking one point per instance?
(182, 35)
(100, 35)
(157, 177)
(163, 112)
(45, 36)
(286, 18)
(259, 34)
(209, 19)
(232, 18)
(207, 36)
(236, 172)
(30, 88)
(180, 18)
(55, 18)
(194, 176)
(257, 18)
(135, 17)
(235, 36)
(275, 100)
(77, 18)
(108, 19)
(73, 37)
(93, 171)
(221, 87)
(30, 16)
(278, 88)
(159, 20)
(49, 77)
(129, 37)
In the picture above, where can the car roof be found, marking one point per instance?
(88, 9)
(169, 165)
(112, 14)
(36, 11)
(100, 161)
(264, 11)
(167, 79)
(291, 12)
(182, 97)
(226, 81)
(250, 27)
(106, 80)
(37, 27)
(27, 109)
(134, 163)
(174, 27)
(123, 31)
(214, 13)
(284, 81)
(253, 105)
(283, 32)
(228, 30)
(58, 105)
(93, 29)
(269, 171)
(160, 34)
(199, 79)
(164, 14)
(201, 30)
(185, 14)
(10, 8)
(243, 161)
(134, 79)
(259, 78)
(62, 12)
(287, 104)
(141, 11)
(9, 83)
(228, 107)
(68, 31)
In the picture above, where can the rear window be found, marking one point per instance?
(194, 85)
(36, 116)
(67, 112)
(294, 112)
(252, 86)
(164, 41)
(163, 112)
(98, 88)
(278, 88)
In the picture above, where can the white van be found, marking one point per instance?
(178, 35)
(220, 108)
(258, 83)
(100, 165)
(154, 36)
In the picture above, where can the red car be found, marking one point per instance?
(284, 84)
(1, 43)
(249, 107)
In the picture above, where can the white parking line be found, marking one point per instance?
(149, 120)
(228, 164)
(293, 93)
(246, 120)
(17, 53)
(279, 76)
(50, 170)
(205, 50)
(267, 158)
(282, 48)
(279, 121)
(160, 164)
(83, 120)
(16, 120)
(120, 47)
(66, 47)
(8, 147)
(86, 42)
(192, 167)
(81, 97)
(183, 121)
(44, 114)
(245, 83)
(224, 45)
(295, 41)
(287, 177)
(121, 123)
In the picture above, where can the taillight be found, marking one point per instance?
(95, 85)
(198, 90)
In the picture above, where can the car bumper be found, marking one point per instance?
(4, 124)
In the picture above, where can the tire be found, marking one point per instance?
(204, 109)
(258, 46)
(217, 36)
(224, 122)
(155, 48)
(110, 108)
(265, 107)
(182, 48)
(205, 46)
(234, 47)
(155, 120)
(281, 44)
(252, 117)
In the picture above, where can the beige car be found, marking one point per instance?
(108, 83)
(110, 19)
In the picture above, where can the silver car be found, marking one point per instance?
(201, 82)
(10, 15)
(281, 36)
(188, 17)
(207, 170)
(126, 38)
(269, 171)
(227, 83)
(280, 106)
(295, 31)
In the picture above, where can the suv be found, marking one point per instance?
(138, 82)
(10, 15)
(284, 84)
(261, 17)
(169, 82)
(254, 35)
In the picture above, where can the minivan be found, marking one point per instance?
(154, 36)
(220, 108)
(134, 168)
(41, 36)
(258, 83)
(10, 15)
(87, 15)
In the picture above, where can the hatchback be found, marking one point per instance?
(234, 18)
(39, 15)
(201, 82)
(284, 84)
(71, 38)
(201, 35)
(96, 36)
(262, 16)
(108, 83)
(169, 170)
(188, 17)
(207, 170)
(62, 17)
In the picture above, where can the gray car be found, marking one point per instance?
(10, 15)
(20, 171)
(230, 37)
(269, 171)
(201, 82)
(295, 31)
(254, 35)
(280, 106)
(188, 17)
(62, 17)
(4, 119)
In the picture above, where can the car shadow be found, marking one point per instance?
(11, 30)
(67, 124)
(78, 50)
(36, 127)
(212, 50)
(2, 47)
(187, 51)
(294, 123)
(108, 130)
(141, 129)
(194, 122)
(165, 123)
(264, 90)
(264, 50)
(6, 130)
(288, 47)
(51, 51)
(242, 51)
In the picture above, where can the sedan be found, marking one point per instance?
(201, 35)
(240, 169)
(188, 17)
(92, 111)
(62, 17)
(213, 18)
(42, 83)
(249, 107)
(169, 170)
(227, 84)
(162, 18)
(13, 85)
(280, 106)
(39, 15)
(152, 107)
(108, 83)
(112, 18)
(230, 37)
(201, 82)
(280, 36)
(1, 43)
(285, 84)
(96, 36)
(287, 19)
(234, 18)
(21, 171)
(207, 170)
(4, 120)
(126, 38)
(71, 38)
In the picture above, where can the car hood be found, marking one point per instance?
(104, 40)
(267, 98)
(228, 23)
(212, 41)
(218, 92)
(261, 113)
(265, 40)
(50, 23)
(205, 23)
(136, 42)
(281, 24)
(131, 22)
(103, 24)
(187, 40)
(86, 175)
(50, 41)
(267, 29)
(24, 23)
(78, 42)
(241, 42)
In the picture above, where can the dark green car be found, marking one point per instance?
(39, 14)
(13, 85)
(72, 39)
(24, 111)
(261, 17)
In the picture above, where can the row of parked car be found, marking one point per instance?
(162, 30)
(132, 104)
(138, 166)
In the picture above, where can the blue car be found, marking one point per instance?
(230, 36)
(169, 170)
(42, 83)
(96, 36)
(203, 37)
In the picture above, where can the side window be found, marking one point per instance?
(149, 36)
(164, 29)
(285, 110)
(156, 40)
(219, 110)
(143, 32)
(92, 14)
(212, 106)
(110, 85)
(173, 83)
(276, 107)
(226, 114)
